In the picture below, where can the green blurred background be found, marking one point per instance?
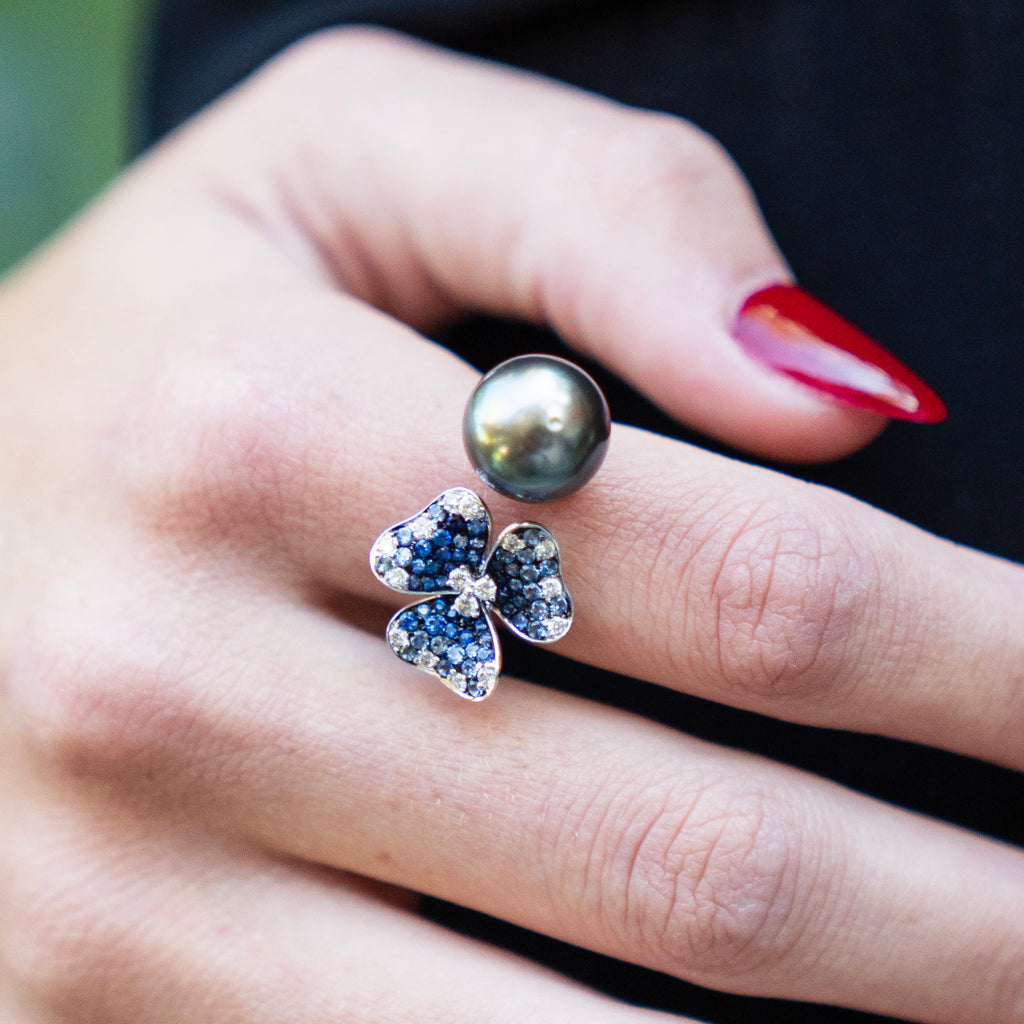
(67, 69)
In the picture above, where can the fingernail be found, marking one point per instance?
(790, 331)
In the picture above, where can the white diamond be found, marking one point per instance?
(511, 542)
(460, 578)
(397, 578)
(485, 589)
(451, 499)
(487, 674)
(546, 548)
(556, 627)
(470, 506)
(423, 528)
(425, 660)
(457, 681)
(550, 588)
(398, 638)
(466, 604)
(387, 545)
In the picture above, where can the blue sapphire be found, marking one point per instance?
(532, 537)
(548, 567)
(408, 621)
(419, 640)
(476, 527)
(558, 606)
(460, 541)
(417, 566)
(456, 655)
(443, 554)
(529, 574)
(525, 556)
(451, 630)
(466, 637)
(439, 605)
(531, 592)
(539, 609)
(475, 690)
(423, 548)
(404, 536)
(403, 556)
(433, 624)
(473, 557)
(441, 538)
(415, 583)
(521, 622)
(537, 631)
(423, 609)
(439, 645)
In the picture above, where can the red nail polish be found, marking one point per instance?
(790, 331)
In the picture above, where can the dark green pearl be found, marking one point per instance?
(536, 428)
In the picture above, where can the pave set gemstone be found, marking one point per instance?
(458, 649)
(441, 553)
(532, 599)
(419, 554)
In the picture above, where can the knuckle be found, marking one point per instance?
(784, 589)
(709, 880)
(99, 693)
(647, 161)
(224, 450)
(65, 933)
(315, 59)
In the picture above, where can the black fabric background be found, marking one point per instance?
(884, 142)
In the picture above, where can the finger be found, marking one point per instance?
(201, 931)
(427, 185)
(576, 820)
(694, 572)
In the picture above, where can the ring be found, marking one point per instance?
(536, 428)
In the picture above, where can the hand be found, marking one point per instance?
(222, 790)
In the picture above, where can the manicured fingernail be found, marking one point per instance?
(790, 331)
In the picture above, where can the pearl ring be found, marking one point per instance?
(536, 428)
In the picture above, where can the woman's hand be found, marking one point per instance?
(220, 788)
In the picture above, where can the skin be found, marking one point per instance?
(222, 792)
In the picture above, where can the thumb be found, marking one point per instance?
(430, 185)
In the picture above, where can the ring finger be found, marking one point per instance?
(691, 571)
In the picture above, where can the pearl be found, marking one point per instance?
(536, 428)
